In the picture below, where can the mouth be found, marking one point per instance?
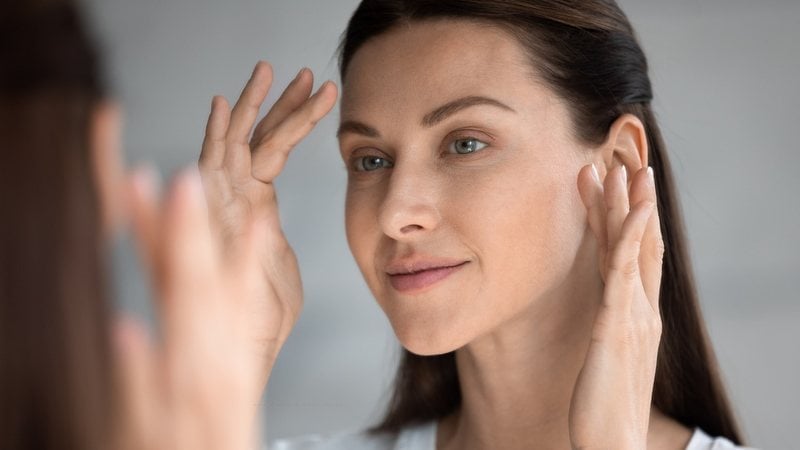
(414, 282)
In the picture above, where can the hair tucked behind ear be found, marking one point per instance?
(589, 55)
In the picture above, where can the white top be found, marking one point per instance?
(423, 437)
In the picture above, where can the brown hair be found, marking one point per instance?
(55, 372)
(587, 51)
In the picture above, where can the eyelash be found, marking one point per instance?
(359, 160)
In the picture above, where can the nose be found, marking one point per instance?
(409, 208)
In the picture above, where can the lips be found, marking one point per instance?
(421, 274)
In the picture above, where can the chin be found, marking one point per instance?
(428, 350)
(425, 341)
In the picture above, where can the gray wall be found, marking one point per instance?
(725, 74)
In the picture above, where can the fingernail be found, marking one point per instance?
(651, 175)
(595, 175)
(300, 74)
(624, 175)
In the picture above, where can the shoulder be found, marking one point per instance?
(421, 437)
(702, 441)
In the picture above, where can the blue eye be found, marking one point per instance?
(467, 146)
(371, 163)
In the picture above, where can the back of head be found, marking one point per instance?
(54, 376)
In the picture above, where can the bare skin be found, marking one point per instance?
(239, 161)
(554, 315)
(193, 388)
(197, 385)
(556, 330)
(227, 290)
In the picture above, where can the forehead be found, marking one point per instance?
(420, 65)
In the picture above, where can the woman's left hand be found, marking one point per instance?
(611, 401)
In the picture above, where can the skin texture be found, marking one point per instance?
(434, 202)
(227, 290)
(239, 161)
(198, 385)
(195, 387)
(555, 317)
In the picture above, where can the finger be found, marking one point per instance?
(144, 206)
(617, 206)
(292, 98)
(271, 154)
(244, 114)
(623, 269)
(652, 253)
(189, 257)
(139, 399)
(245, 111)
(591, 191)
(212, 154)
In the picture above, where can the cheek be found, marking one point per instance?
(515, 221)
(363, 233)
(524, 231)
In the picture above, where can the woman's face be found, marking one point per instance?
(457, 155)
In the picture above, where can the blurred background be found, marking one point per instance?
(725, 75)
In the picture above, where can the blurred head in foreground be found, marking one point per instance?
(55, 374)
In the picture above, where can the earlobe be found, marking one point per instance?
(626, 144)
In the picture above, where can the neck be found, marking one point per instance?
(517, 382)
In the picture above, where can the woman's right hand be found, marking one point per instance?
(238, 166)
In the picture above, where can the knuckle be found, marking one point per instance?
(650, 328)
(628, 270)
(659, 250)
(651, 322)
(266, 143)
(230, 141)
(657, 326)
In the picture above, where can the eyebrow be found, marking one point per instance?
(353, 126)
(434, 117)
(443, 112)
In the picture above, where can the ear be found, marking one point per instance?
(105, 141)
(626, 144)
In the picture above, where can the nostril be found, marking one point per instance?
(410, 228)
(403, 215)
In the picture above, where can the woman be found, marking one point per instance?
(510, 205)
(64, 382)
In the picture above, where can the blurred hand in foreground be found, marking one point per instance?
(197, 385)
